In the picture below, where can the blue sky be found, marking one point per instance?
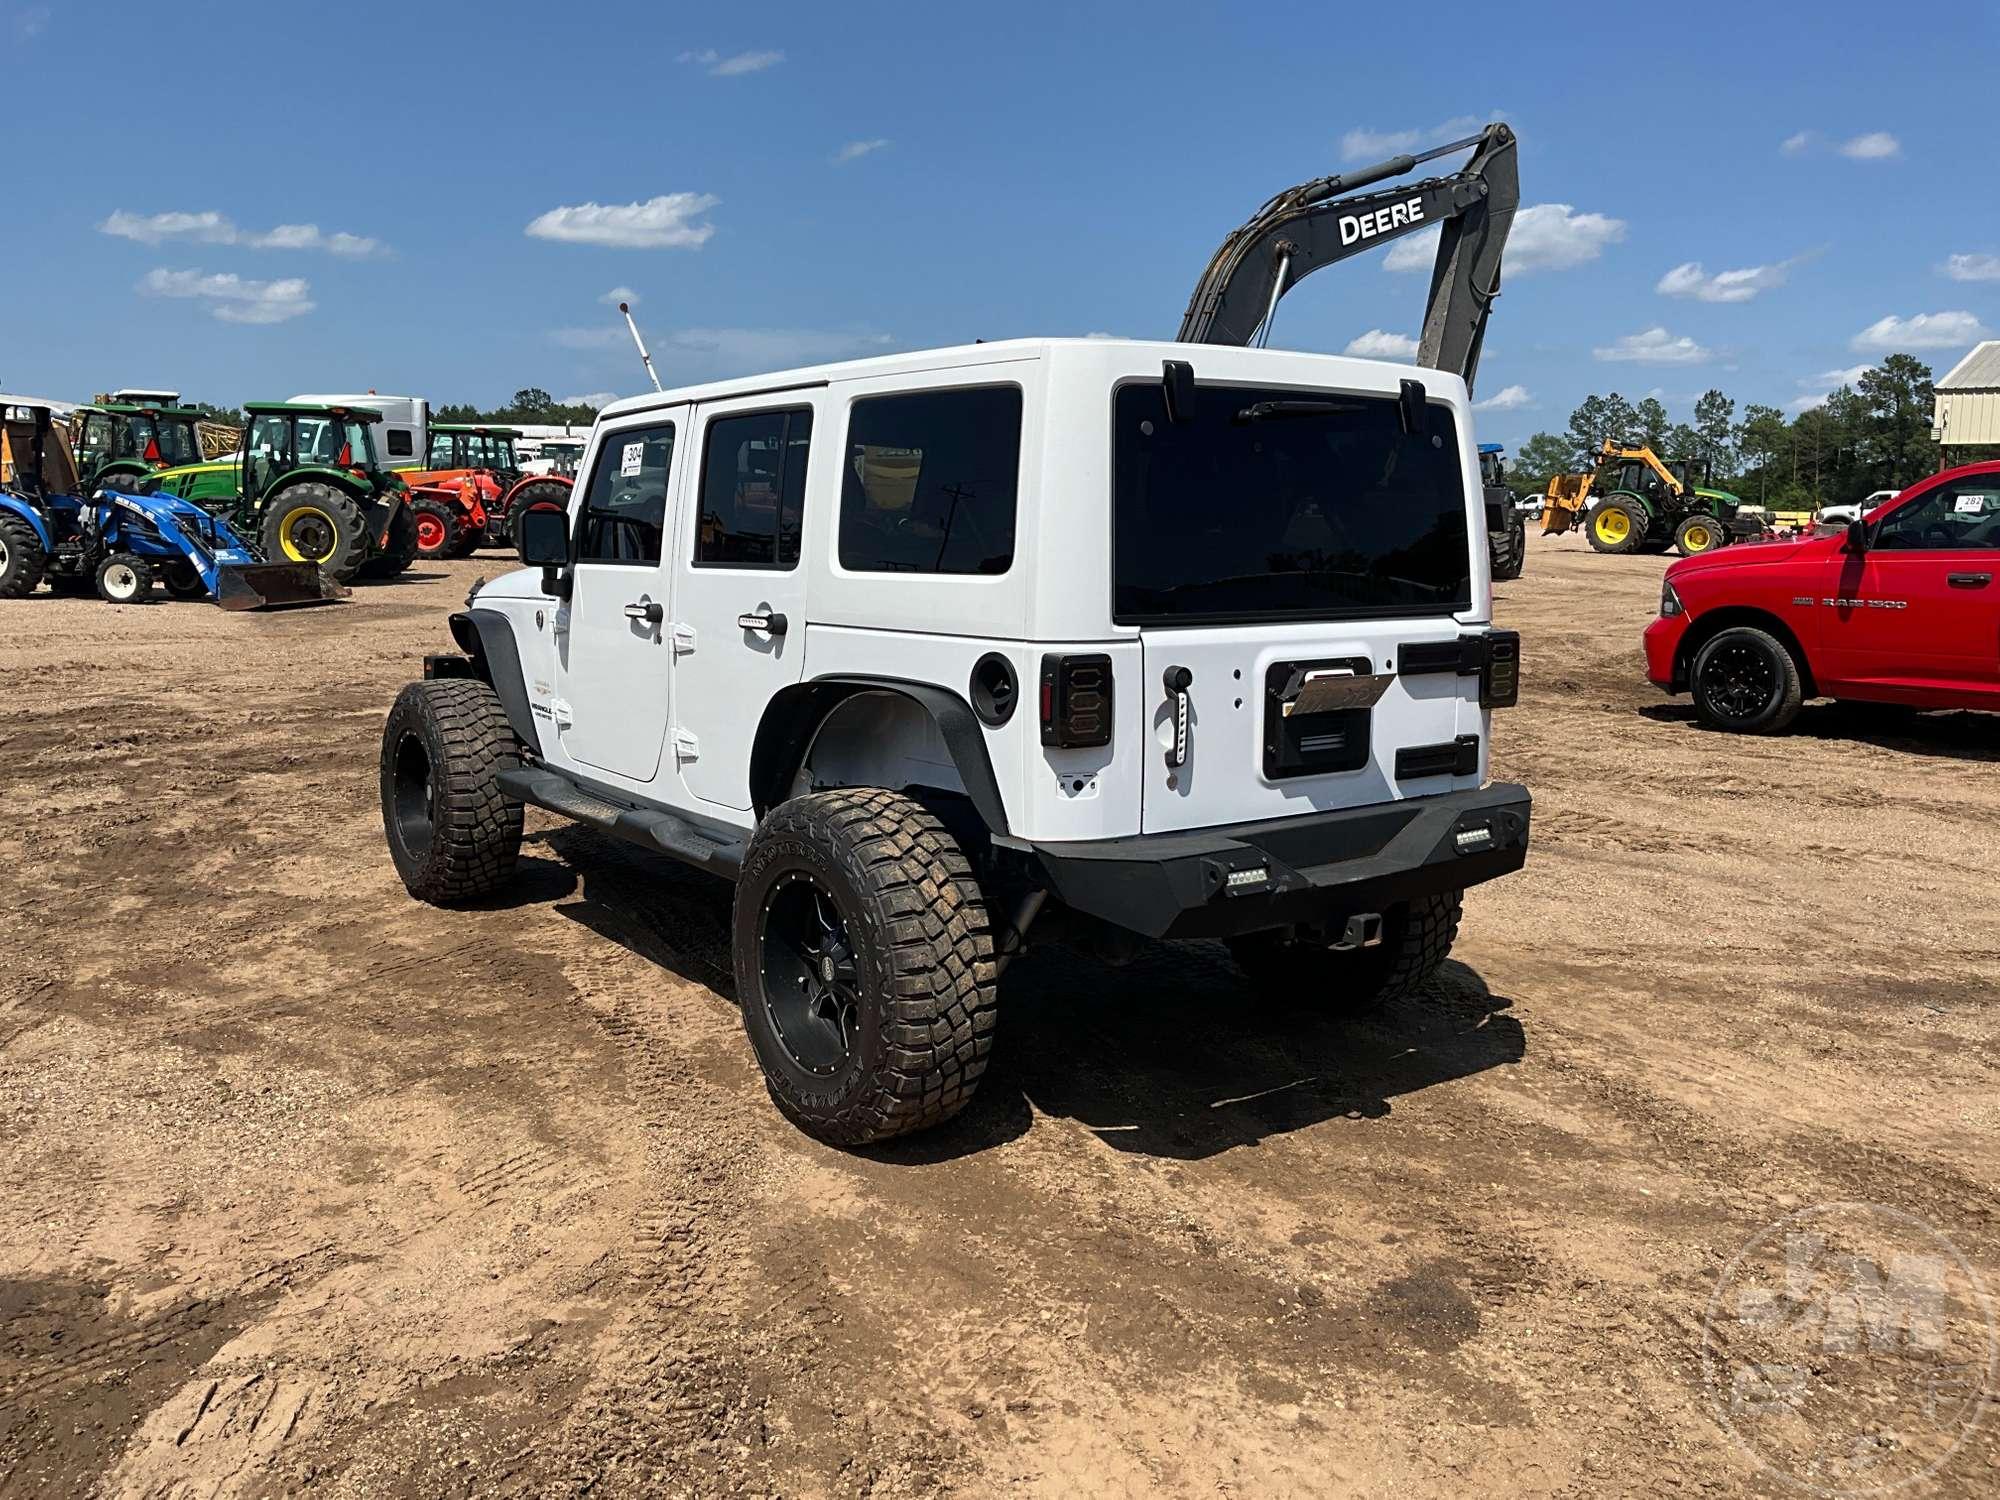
(442, 209)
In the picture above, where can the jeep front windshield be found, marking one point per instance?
(1284, 504)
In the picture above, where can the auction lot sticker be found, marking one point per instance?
(1849, 1349)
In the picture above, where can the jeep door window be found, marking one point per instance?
(931, 482)
(624, 513)
(753, 485)
(1284, 504)
(1957, 517)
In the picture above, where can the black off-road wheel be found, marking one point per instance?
(316, 523)
(440, 531)
(22, 559)
(125, 578)
(399, 551)
(453, 834)
(1509, 550)
(1746, 680)
(1416, 940)
(864, 966)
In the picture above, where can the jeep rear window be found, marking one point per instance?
(1318, 506)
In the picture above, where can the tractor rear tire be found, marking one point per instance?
(316, 523)
(535, 493)
(1509, 550)
(1416, 940)
(1746, 680)
(452, 832)
(1616, 526)
(864, 965)
(400, 550)
(182, 579)
(125, 578)
(22, 560)
(440, 531)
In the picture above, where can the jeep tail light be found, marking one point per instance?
(1076, 701)
(1500, 675)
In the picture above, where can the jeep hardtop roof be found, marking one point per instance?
(1286, 367)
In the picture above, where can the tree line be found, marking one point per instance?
(1872, 435)
(529, 405)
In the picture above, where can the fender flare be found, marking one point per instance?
(486, 636)
(12, 507)
(793, 717)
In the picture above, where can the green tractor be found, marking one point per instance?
(310, 486)
(120, 445)
(1637, 502)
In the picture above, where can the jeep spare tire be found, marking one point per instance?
(864, 965)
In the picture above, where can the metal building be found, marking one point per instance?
(1968, 400)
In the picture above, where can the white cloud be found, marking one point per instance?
(620, 294)
(1654, 347)
(1372, 144)
(212, 228)
(662, 223)
(1545, 237)
(1825, 383)
(1507, 398)
(590, 398)
(1973, 267)
(31, 21)
(1943, 330)
(1376, 344)
(233, 299)
(1690, 280)
(1876, 145)
(733, 66)
(1795, 145)
(855, 150)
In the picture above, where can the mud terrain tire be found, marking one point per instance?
(453, 834)
(864, 966)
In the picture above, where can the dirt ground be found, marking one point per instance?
(307, 1183)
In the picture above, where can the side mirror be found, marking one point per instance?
(543, 541)
(1857, 535)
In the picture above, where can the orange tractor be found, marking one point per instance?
(472, 493)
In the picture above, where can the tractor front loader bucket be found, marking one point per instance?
(274, 585)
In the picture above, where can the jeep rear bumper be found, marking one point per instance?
(1249, 877)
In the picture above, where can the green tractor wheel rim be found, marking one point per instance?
(308, 534)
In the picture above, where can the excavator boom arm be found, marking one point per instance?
(1312, 225)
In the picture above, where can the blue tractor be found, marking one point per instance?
(120, 542)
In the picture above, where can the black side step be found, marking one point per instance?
(647, 827)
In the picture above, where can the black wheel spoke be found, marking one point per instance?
(811, 984)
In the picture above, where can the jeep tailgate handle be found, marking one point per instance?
(767, 622)
(648, 610)
(1177, 681)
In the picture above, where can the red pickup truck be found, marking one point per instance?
(1901, 608)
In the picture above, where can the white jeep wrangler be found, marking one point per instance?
(1108, 641)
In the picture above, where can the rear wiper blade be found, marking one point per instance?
(1257, 411)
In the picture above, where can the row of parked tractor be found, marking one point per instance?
(119, 496)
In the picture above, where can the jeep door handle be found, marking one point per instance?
(646, 610)
(1177, 681)
(765, 622)
(1968, 580)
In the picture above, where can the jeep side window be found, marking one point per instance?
(753, 484)
(1953, 517)
(625, 510)
(930, 482)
